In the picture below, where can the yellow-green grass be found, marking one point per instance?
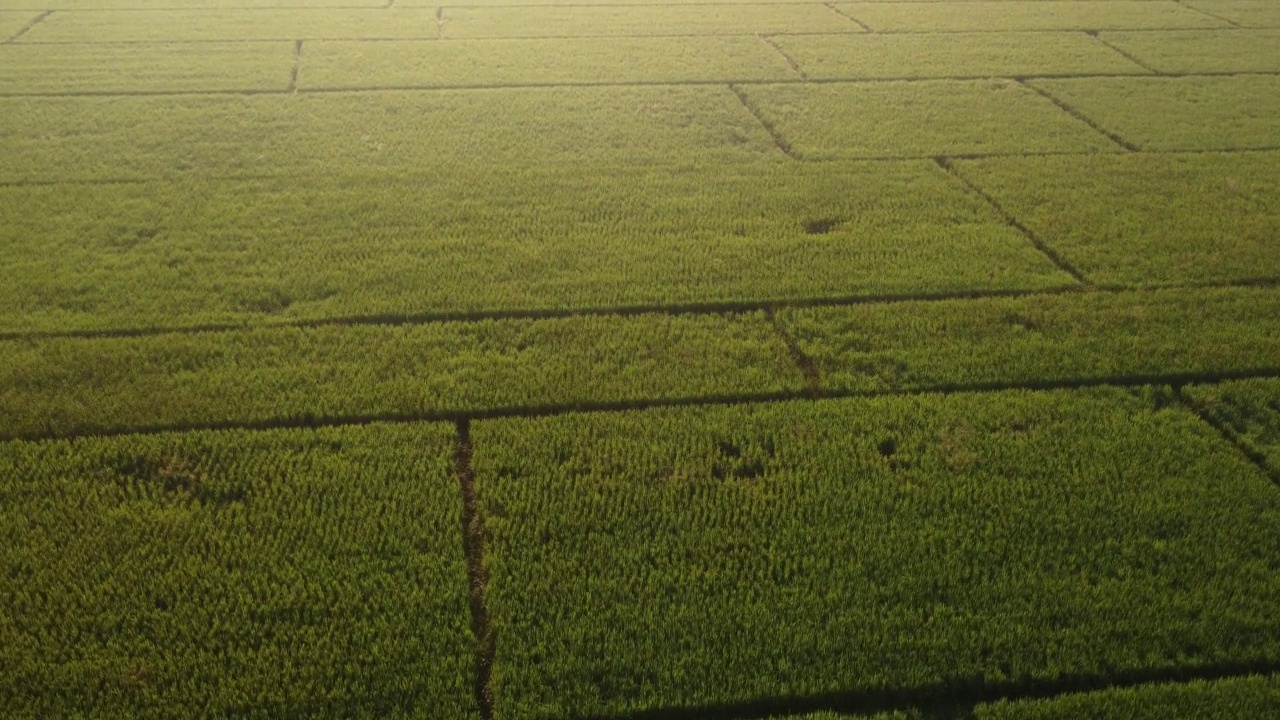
(130, 67)
(183, 254)
(186, 5)
(89, 26)
(1004, 15)
(694, 557)
(920, 119)
(347, 64)
(13, 21)
(1239, 698)
(55, 387)
(243, 574)
(1248, 13)
(1203, 51)
(1212, 113)
(869, 56)
(1040, 340)
(1250, 411)
(49, 139)
(1146, 219)
(587, 21)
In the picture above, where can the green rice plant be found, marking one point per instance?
(235, 574)
(1249, 410)
(346, 64)
(387, 133)
(693, 557)
(1027, 15)
(1203, 51)
(600, 20)
(12, 21)
(63, 386)
(1243, 698)
(1212, 113)
(920, 119)
(870, 56)
(1249, 13)
(88, 26)
(131, 67)
(1040, 339)
(1146, 219)
(201, 252)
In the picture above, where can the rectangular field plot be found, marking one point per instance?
(1241, 698)
(1146, 219)
(868, 56)
(690, 558)
(1040, 340)
(11, 23)
(1248, 13)
(1203, 51)
(201, 25)
(1002, 15)
(529, 62)
(1250, 411)
(588, 21)
(242, 574)
(920, 119)
(1185, 113)
(57, 387)
(194, 253)
(131, 67)
(51, 139)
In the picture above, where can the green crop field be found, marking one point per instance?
(639, 359)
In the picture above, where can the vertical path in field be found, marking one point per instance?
(1121, 52)
(778, 140)
(1066, 267)
(477, 577)
(297, 67)
(1068, 109)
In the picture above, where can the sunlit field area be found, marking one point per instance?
(612, 359)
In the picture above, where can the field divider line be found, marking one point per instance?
(297, 67)
(1068, 109)
(805, 364)
(1206, 13)
(31, 24)
(623, 311)
(440, 21)
(1227, 433)
(955, 699)
(832, 7)
(1122, 52)
(477, 576)
(795, 66)
(1054, 257)
(754, 110)
(726, 400)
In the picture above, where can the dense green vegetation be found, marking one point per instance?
(1146, 219)
(871, 56)
(532, 62)
(677, 558)
(1214, 113)
(234, 574)
(190, 253)
(130, 67)
(1245, 698)
(1250, 410)
(61, 386)
(1040, 339)
(945, 117)
(683, 360)
(1001, 15)
(1203, 51)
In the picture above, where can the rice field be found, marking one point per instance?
(612, 359)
